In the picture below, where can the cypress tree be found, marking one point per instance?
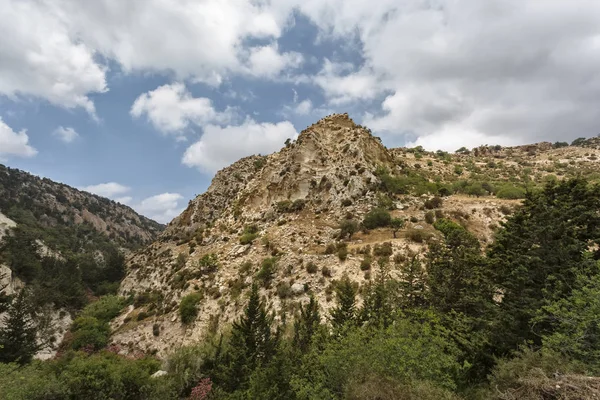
(252, 343)
(18, 335)
(345, 312)
(306, 325)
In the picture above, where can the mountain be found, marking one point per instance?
(24, 197)
(64, 245)
(277, 220)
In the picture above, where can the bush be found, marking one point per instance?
(331, 248)
(511, 192)
(434, 202)
(342, 251)
(267, 270)
(247, 238)
(89, 333)
(365, 264)
(105, 308)
(348, 228)
(346, 203)
(377, 218)
(326, 272)
(311, 268)
(417, 235)
(209, 263)
(383, 250)
(430, 217)
(287, 206)
(188, 307)
(284, 290)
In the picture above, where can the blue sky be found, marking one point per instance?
(143, 101)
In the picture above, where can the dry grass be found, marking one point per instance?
(536, 385)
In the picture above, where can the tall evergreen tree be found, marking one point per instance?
(377, 307)
(345, 311)
(457, 276)
(18, 335)
(540, 252)
(252, 343)
(411, 286)
(306, 325)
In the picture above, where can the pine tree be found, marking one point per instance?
(252, 343)
(377, 307)
(18, 335)
(345, 312)
(457, 275)
(539, 253)
(411, 286)
(306, 325)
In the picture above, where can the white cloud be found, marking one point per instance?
(266, 61)
(162, 207)
(109, 189)
(342, 85)
(14, 143)
(304, 107)
(67, 134)
(221, 146)
(124, 200)
(522, 70)
(171, 108)
(41, 58)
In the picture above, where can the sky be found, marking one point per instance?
(142, 101)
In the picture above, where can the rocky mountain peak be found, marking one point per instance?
(330, 162)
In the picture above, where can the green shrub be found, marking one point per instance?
(311, 268)
(346, 203)
(376, 218)
(105, 308)
(365, 264)
(89, 333)
(348, 228)
(267, 270)
(383, 250)
(188, 309)
(342, 251)
(284, 290)
(247, 238)
(434, 202)
(511, 192)
(417, 235)
(326, 272)
(331, 248)
(208, 263)
(429, 217)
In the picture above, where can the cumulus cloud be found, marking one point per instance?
(221, 146)
(161, 207)
(67, 134)
(14, 143)
(512, 71)
(109, 189)
(124, 200)
(59, 49)
(171, 108)
(266, 61)
(41, 58)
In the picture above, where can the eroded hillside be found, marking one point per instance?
(287, 221)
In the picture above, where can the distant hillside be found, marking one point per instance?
(63, 245)
(28, 199)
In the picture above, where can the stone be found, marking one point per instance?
(159, 373)
(297, 288)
